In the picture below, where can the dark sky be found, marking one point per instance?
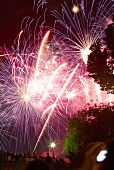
(12, 13)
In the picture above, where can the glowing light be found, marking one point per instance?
(70, 95)
(47, 46)
(85, 52)
(26, 97)
(98, 92)
(75, 9)
(53, 145)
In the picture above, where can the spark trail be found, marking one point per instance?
(55, 104)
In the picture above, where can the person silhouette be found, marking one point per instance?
(37, 165)
(48, 158)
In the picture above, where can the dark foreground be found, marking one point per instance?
(22, 166)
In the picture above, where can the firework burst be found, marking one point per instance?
(83, 24)
(34, 87)
(43, 81)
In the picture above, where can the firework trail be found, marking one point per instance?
(55, 104)
(3, 132)
(5, 121)
(37, 4)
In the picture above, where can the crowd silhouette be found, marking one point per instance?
(84, 159)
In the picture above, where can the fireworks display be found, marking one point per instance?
(83, 24)
(44, 81)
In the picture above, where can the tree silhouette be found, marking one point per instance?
(100, 65)
(90, 125)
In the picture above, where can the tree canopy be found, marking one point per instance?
(72, 141)
(100, 65)
(89, 125)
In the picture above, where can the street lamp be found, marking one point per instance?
(53, 145)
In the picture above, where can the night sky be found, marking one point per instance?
(12, 13)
